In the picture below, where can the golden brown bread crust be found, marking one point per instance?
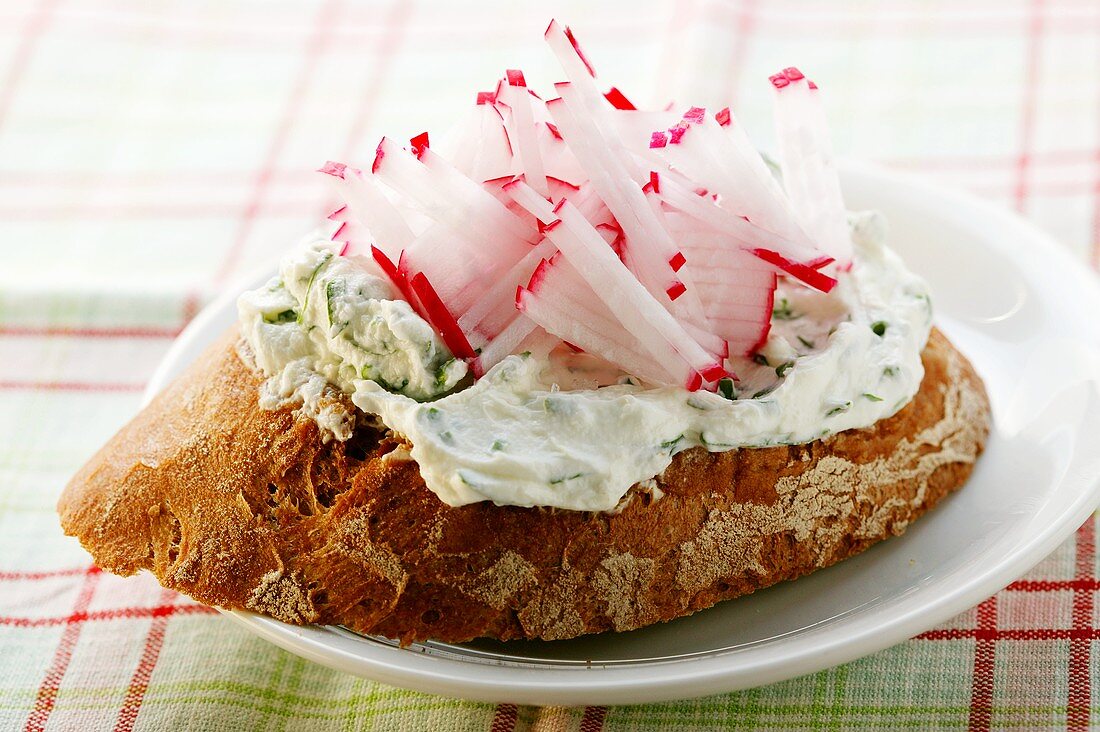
(244, 508)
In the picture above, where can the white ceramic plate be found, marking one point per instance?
(1026, 314)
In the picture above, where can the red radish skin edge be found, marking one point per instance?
(339, 230)
(484, 97)
(419, 144)
(714, 373)
(336, 170)
(657, 139)
(395, 275)
(695, 115)
(675, 290)
(802, 272)
(763, 339)
(553, 130)
(441, 318)
(618, 100)
(344, 249)
(515, 77)
(677, 262)
(336, 213)
(378, 155)
(565, 183)
(576, 46)
(723, 117)
(655, 181)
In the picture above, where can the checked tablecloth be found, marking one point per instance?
(152, 151)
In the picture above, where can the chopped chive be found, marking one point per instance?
(286, 316)
(462, 475)
(761, 359)
(879, 327)
(872, 397)
(765, 391)
(726, 388)
(556, 481)
(334, 289)
(782, 369)
(668, 444)
(890, 371)
(806, 343)
(313, 275)
(498, 445)
(707, 443)
(782, 311)
(441, 374)
(838, 409)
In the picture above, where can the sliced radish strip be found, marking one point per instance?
(745, 234)
(524, 132)
(568, 51)
(618, 100)
(657, 330)
(560, 300)
(806, 160)
(555, 316)
(395, 276)
(499, 297)
(706, 155)
(615, 178)
(805, 273)
(440, 317)
(365, 202)
(505, 343)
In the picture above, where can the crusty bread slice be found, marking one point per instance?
(245, 508)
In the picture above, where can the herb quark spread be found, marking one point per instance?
(560, 429)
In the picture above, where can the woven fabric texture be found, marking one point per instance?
(151, 153)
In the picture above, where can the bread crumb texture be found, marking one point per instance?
(248, 509)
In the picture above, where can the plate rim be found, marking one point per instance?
(691, 677)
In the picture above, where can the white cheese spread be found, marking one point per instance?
(535, 430)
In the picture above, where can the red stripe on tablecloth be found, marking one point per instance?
(593, 719)
(1027, 113)
(21, 59)
(1077, 710)
(313, 51)
(1010, 634)
(66, 332)
(79, 617)
(67, 386)
(15, 576)
(139, 683)
(397, 19)
(1053, 585)
(981, 687)
(190, 308)
(47, 691)
(505, 718)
